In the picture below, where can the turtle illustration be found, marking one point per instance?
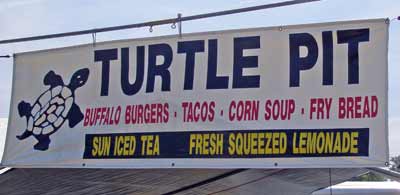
(52, 108)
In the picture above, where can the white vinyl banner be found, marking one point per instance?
(280, 97)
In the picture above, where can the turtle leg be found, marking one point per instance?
(53, 79)
(43, 142)
(75, 115)
(24, 135)
(24, 109)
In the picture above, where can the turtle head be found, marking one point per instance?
(79, 78)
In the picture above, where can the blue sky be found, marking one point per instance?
(20, 18)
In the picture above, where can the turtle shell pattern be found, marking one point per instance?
(50, 110)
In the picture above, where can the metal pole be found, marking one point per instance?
(180, 25)
(330, 181)
(157, 22)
